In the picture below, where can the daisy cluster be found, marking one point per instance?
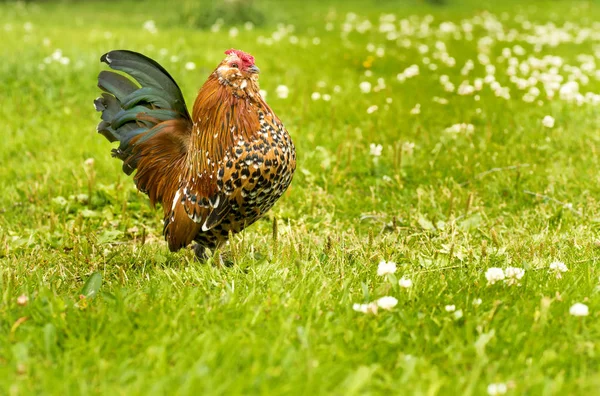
(511, 60)
(384, 269)
(510, 275)
(512, 57)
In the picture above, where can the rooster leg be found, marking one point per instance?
(221, 259)
(201, 252)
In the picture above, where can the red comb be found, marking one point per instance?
(247, 59)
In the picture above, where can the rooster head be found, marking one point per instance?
(237, 67)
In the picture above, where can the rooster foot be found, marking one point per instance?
(220, 259)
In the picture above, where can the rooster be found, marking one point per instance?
(214, 172)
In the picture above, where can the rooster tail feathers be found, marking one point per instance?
(143, 109)
(132, 113)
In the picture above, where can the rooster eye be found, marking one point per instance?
(234, 65)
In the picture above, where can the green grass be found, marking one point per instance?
(280, 320)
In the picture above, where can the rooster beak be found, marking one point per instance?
(253, 69)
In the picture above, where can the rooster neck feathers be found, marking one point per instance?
(224, 114)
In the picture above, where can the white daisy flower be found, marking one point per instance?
(365, 87)
(22, 300)
(513, 275)
(387, 302)
(416, 110)
(497, 389)
(579, 309)
(548, 121)
(365, 308)
(405, 283)
(493, 275)
(282, 91)
(150, 26)
(408, 148)
(375, 149)
(386, 267)
(558, 267)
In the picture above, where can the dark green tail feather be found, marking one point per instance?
(148, 73)
(157, 97)
(117, 84)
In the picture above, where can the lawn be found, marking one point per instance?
(459, 141)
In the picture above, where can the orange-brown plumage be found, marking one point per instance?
(214, 172)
